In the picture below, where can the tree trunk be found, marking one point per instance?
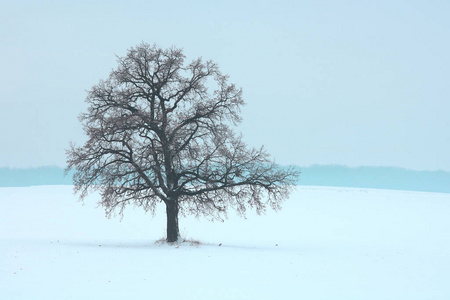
(172, 221)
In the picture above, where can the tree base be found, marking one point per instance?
(180, 242)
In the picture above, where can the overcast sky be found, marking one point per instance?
(357, 83)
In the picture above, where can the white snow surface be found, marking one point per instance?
(326, 243)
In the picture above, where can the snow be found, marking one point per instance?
(326, 243)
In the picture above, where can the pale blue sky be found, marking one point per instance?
(326, 82)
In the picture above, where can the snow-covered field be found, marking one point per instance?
(327, 243)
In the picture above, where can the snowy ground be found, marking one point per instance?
(327, 243)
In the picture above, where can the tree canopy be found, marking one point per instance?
(159, 130)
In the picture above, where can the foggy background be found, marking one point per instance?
(355, 83)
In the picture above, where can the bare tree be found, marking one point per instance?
(157, 134)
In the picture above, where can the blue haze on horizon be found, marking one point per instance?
(355, 83)
(337, 176)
